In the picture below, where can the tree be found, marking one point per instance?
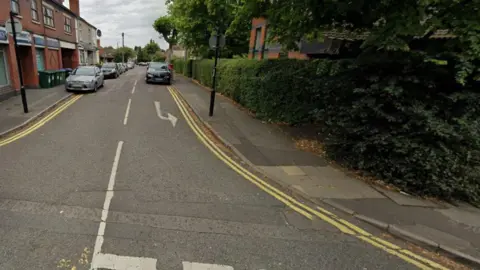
(196, 21)
(142, 55)
(151, 48)
(123, 53)
(165, 26)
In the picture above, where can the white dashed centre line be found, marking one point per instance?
(127, 112)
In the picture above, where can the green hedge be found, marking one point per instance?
(183, 67)
(405, 121)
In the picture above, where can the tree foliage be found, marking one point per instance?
(166, 27)
(123, 53)
(151, 48)
(391, 25)
(142, 55)
(196, 21)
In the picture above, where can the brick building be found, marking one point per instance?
(334, 44)
(260, 48)
(48, 41)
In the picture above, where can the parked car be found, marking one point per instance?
(124, 66)
(130, 65)
(110, 70)
(120, 68)
(85, 78)
(158, 72)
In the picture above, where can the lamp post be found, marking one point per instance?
(214, 79)
(19, 66)
(123, 46)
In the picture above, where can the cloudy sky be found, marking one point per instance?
(133, 17)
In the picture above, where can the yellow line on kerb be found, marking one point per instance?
(40, 123)
(303, 209)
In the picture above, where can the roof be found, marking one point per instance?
(89, 24)
(59, 5)
(352, 36)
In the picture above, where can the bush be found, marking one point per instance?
(183, 67)
(202, 71)
(405, 121)
(178, 65)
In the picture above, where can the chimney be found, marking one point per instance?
(75, 6)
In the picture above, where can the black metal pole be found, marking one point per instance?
(214, 79)
(19, 66)
(123, 46)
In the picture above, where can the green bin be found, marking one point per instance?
(61, 75)
(56, 78)
(45, 78)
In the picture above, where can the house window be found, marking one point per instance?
(258, 47)
(48, 16)
(34, 10)
(68, 25)
(15, 6)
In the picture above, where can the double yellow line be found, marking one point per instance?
(305, 210)
(40, 123)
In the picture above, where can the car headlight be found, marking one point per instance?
(149, 75)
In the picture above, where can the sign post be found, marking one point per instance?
(13, 26)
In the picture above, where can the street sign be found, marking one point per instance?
(213, 41)
(16, 23)
(99, 33)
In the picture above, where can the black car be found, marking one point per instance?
(158, 72)
(110, 70)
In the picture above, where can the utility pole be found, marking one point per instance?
(123, 46)
(214, 79)
(19, 66)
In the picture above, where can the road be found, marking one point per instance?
(167, 201)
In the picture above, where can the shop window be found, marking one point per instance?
(3, 69)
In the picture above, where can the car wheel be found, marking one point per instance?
(95, 88)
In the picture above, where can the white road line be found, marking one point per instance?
(134, 84)
(106, 204)
(204, 266)
(127, 112)
(112, 261)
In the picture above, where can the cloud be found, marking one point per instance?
(132, 17)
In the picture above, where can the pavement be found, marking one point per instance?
(454, 230)
(38, 100)
(118, 180)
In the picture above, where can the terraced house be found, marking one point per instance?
(87, 41)
(48, 41)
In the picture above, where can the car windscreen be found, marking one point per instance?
(112, 65)
(158, 66)
(84, 71)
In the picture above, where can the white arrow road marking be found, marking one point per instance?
(204, 266)
(169, 117)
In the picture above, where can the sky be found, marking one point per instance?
(133, 17)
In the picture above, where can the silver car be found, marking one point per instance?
(88, 78)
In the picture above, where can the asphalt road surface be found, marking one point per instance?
(167, 201)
